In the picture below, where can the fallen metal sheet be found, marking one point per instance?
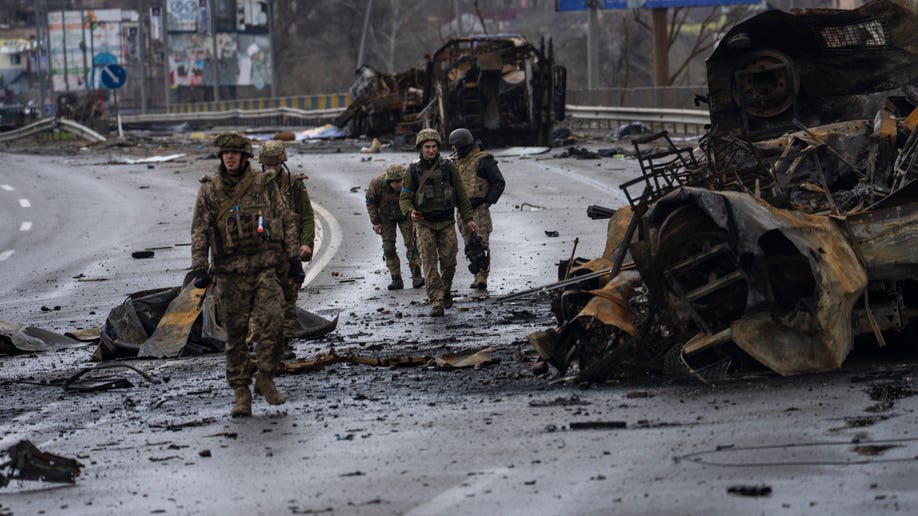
(16, 339)
(461, 360)
(85, 335)
(609, 305)
(174, 327)
(27, 462)
(78, 383)
(129, 324)
(123, 160)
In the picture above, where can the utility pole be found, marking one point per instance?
(660, 47)
(40, 40)
(363, 37)
(213, 32)
(272, 40)
(458, 13)
(593, 46)
(142, 42)
(164, 21)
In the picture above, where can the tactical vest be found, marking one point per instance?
(437, 192)
(389, 209)
(246, 224)
(475, 186)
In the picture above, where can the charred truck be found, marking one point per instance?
(502, 88)
(788, 235)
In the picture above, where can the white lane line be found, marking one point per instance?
(332, 234)
(8, 188)
(25, 226)
(25, 203)
(6, 254)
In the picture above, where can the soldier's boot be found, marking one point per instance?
(448, 300)
(242, 407)
(264, 386)
(480, 282)
(436, 310)
(417, 280)
(396, 284)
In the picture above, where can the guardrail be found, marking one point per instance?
(685, 121)
(52, 123)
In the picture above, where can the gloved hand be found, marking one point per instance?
(296, 273)
(201, 279)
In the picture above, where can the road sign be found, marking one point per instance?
(113, 76)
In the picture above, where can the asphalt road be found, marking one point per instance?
(364, 440)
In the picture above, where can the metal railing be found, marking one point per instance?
(684, 121)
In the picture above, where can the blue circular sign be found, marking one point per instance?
(113, 76)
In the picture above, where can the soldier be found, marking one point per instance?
(272, 155)
(386, 217)
(431, 192)
(242, 220)
(484, 185)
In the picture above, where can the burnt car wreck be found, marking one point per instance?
(504, 89)
(788, 235)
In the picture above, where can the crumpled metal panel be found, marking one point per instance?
(816, 333)
(609, 304)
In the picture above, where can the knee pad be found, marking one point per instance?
(388, 249)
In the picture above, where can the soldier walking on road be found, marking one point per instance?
(387, 217)
(431, 192)
(242, 221)
(484, 185)
(272, 155)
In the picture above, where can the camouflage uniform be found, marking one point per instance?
(293, 187)
(441, 194)
(384, 210)
(228, 213)
(484, 185)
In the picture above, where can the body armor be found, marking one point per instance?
(389, 210)
(475, 186)
(245, 223)
(437, 194)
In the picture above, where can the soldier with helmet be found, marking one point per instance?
(242, 223)
(431, 193)
(273, 156)
(484, 185)
(387, 217)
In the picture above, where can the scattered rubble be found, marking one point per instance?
(26, 462)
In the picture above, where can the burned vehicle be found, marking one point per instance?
(787, 235)
(502, 88)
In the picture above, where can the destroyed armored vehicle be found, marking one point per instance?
(502, 88)
(788, 235)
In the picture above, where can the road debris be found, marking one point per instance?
(754, 491)
(24, 461)
(449, 361)
(78, 383)
(16, 339)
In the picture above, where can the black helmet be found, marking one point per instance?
(460, 138)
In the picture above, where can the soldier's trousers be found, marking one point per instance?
(254, 298)
(482, 217)
(438, 246)
(389, 232)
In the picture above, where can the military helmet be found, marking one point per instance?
(233, 141)
(272, 152)
(425, 135)
(460, 138)
(395, 172)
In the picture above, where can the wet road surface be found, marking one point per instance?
(362, 440)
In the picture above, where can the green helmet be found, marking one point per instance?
(272, 152)
(426, 135)
(395, 172)
(233, 141)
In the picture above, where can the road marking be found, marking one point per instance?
(25, 226)
(332, 233)
(6, 254)
(25, 203)
(452, 500)
(8, 188)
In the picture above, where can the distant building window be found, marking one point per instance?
(866, 34)
(16, 59)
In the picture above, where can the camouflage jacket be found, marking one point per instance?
(294, 189)
(383, 201)
(204, 233)
(441, 219)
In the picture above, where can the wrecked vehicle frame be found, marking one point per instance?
(787, 233)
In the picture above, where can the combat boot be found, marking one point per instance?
(448, 300)
(242, 407)
(436, 310)
(396, 284)
(417, 280)
(481, 282)
(264, 386)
